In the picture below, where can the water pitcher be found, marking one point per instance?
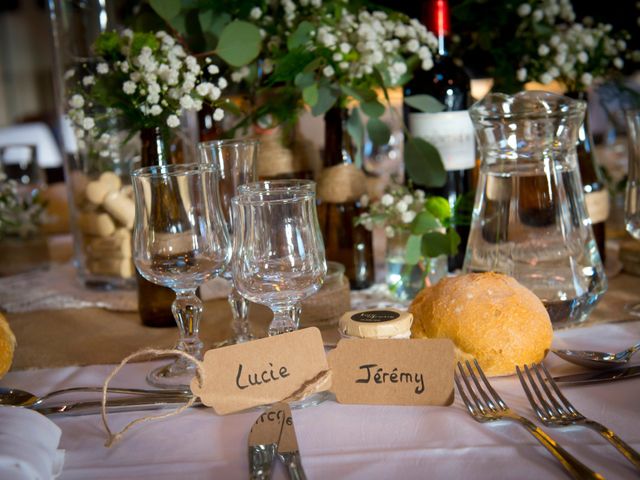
(529, 218)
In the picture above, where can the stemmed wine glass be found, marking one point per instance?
(179, 241)
(236, 163)
(632, 197)
(280, 255)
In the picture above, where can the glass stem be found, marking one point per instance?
(285, 319)
(187, 310)
(240, 313)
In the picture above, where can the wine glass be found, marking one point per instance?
(236, 162)
(179, 241)
(279, 251)
(632, 197)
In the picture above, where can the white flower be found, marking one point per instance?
(386, 200)
(213, 69)
(537, 15)
(218, 114)
(186, 102)
(255, 13)
(102, 68)
(337, 57)
(408, 199)
(203, 88)
(77, 101)
(618, 63)
(328, 71)
(543, 50)
(583, 57)
(127, 32)
(173, 121)
(389, 232)
(345, 47)
(222, 83)
(521, 74)
(413, 45)
(88, 80)
(524, 9)
(129, 87)
(546, 78)
(401, 206)
(586, 79)
(427, 64)
(124, 67)
(364, 200)
(155, 110)
(419, 194)
(88, 123)
(214, 93)
(408, 216)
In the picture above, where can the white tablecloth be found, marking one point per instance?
(355, 441)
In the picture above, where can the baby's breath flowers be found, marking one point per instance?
(570, 52)
(148, 80)
(20, 215)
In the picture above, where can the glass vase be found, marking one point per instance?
(405, 280)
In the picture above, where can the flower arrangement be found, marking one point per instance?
(427, 223)
(570, 52)
(20, 215)
(147, 79)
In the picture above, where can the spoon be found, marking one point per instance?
(21, 398)
(591, 359)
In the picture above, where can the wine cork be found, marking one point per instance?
(110, 179)
(98, 190)
(98, 224)
(127, 191)
(79, 182)
(120, 207)
(117, 247)
(111, 267)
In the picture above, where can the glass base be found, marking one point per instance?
(234, 341)
(174, 376)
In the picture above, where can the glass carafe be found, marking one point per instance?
(529, 219)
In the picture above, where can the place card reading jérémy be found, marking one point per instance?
(393, 372)
(262, 371)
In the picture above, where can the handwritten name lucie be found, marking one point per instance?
(377, 374)
(259, 378)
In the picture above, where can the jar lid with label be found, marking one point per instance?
(379, 323)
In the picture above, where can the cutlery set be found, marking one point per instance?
(550, 405)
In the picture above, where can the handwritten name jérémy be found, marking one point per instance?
(380, 376)
(260, 378)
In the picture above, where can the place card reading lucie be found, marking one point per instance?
(393, 372)
(262, 371)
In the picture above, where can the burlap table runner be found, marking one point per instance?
(59, 338)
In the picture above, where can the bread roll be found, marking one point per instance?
(489, 316)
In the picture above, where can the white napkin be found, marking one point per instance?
(28, 445)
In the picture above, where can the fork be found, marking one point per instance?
(490, 409)
(557, 411)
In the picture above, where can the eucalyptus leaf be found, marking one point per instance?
(373, 108)
(179, 23)
(206, 18)
(360, 94)
(413, 250)
(300, 36)
(304, 79)
(310, 94)
(439, 207)
(424, 103)
(423, 163)
(454, 241)
(356, 130)
(424, 222)
(167, 9)
(435, 244)
(378, 131)
(326, 100)
(239, 43)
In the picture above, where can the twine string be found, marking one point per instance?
(112, 438)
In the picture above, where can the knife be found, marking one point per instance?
(600, 376)
(288, 447)
(263, 441)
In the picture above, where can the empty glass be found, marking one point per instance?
(529, 219)
(236, 162)
(632, 197)
(279, 254)
(179, 241)
(20, 163)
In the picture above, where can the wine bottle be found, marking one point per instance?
(596, 195)
(341, 184)
(451, 130)
(154, 301)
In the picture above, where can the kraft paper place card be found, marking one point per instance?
(261, 371)
(393, 372)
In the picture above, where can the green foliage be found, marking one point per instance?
(107, 45)
(378, 131)
(413, 250)
(423, 163)
(239, 43)
(141, 40)
(424, 103)
(300, 36)
(167, 9)
(439, 207)
(356, 130)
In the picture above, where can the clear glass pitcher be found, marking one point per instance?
(529, 218)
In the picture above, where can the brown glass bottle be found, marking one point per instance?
(596, 195)
(154, 301)
(344, 242)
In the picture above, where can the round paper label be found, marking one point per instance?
(374, 316)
